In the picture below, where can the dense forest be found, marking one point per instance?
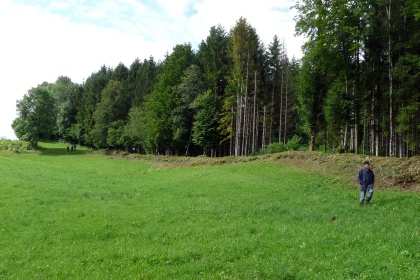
(232, 96)
(359, 78)
(356, 89)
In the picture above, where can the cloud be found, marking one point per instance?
(38, 46)
(74, 38)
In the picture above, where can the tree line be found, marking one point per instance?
(232, 96)
(356, 89)
(359, 82)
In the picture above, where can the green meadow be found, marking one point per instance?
(84, 215)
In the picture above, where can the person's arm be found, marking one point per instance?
(360, 177)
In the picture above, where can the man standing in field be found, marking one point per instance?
(366, 179)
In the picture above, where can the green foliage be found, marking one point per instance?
(135, 130)
(37, 116)
(407, 72)
(274, 58)
(355, 88)
(294, 143)
(413, 9)
(365, 54)
(338, 111)
(161, 103)
(311, 98)
(213, 57)
(116, 134)
(206, 121)
(106, 112)
(190, 87)
(275, 148)
(243, 52)
(225, 125)
(75, 133)
(232, 65)
(14, 146)
(277, 84)
(91, 97)
(120, 73)
(67, 95)
(141, 80)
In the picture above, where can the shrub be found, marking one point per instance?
(294, 143)
(322, 149)
(15, 146)
(275, 148)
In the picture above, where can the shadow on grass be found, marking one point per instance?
(53, 148)
(62, 152)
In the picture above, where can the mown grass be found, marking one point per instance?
(89, 216)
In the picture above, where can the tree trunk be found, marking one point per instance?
(254, 122)
(345, 137)
(245, 130)
(231, 143)
(286, 108)
(356, 93)
(238, 121)
(264, 128)
(281, 104)
(325, 140)
(312, 145)
(270, 133)
(390, 77)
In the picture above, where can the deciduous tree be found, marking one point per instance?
(37, 116)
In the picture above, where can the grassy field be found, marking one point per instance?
(82, 215)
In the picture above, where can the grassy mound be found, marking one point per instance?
(390, 173)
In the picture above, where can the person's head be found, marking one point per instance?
(366, 164)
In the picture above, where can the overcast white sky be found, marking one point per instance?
(42, 40)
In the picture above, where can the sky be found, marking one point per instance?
(42, 40)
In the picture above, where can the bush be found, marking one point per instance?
(294, 143)
(323, 149)
(275, 148)
(15, 146)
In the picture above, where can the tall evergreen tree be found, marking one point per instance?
(213, 58)
(162, 101)
(182, 117)
(141, 79)
(91, 97)
(107, 111)
(274, 73)
(243, 85)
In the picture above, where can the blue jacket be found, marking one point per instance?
(365, 177)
